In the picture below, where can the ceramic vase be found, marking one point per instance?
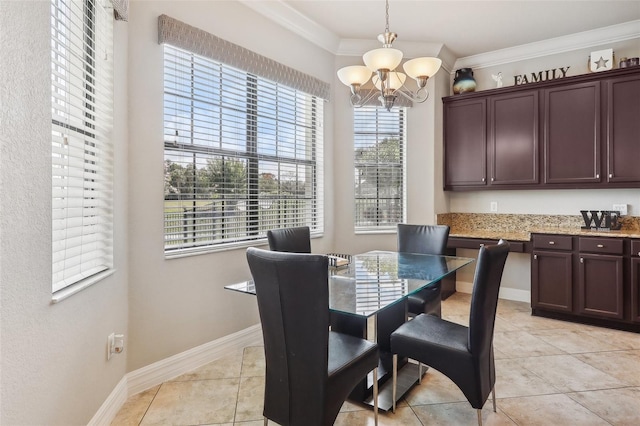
(464, 81)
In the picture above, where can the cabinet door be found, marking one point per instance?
(572, 133)
(600, 286)
(635, 289)
(513, 138)
(465, 143)
(623, 129)
(551, 281)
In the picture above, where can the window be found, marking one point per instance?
(242, 155)
(81, 100)
(379, 140)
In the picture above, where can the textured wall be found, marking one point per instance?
(54, 368)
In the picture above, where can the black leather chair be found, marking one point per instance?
(464, 354)
(424, 239)
(310, 370)
(293, 240)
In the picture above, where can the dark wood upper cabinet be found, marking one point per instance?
(623, 129)
(575, 132)
(465, 152)
(572, 133)
(513, 138)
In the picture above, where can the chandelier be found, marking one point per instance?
(382, 64)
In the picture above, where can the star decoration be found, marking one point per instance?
(601, 63)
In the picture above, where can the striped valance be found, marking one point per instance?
(179, 34)
(121, 9)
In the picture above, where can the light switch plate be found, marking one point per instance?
(622, 208)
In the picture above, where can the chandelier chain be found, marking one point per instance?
(386, 28)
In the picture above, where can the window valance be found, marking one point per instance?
(179, 34)
(121, 9)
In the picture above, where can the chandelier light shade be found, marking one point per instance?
(385, 58)
(395, 81)
(420, 69)
(354, 75)
(389, 82)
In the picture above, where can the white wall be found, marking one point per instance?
(178, 304)
(54, 367)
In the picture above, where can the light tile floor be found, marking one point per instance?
(548, 373)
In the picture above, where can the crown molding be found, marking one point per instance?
(284, 15)
(294, 21)
(586, 39)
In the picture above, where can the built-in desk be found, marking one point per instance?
(583, 275)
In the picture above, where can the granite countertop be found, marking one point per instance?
(517, 227)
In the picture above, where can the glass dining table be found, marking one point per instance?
(368, 298)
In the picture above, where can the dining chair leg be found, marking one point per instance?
(419, 373)
(375, 395)
(266, 421)
(493, 396)
(395, 380)
(479, 417)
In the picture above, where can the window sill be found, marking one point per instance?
(180, 253)
(376, 231)
(66, 292)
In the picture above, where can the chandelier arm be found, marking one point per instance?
(357, 100)
(419, 96)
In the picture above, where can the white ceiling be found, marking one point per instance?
(465, 27)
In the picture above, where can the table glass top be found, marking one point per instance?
(377, 279)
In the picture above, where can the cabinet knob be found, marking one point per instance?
(492, 179)
(610, 175)
(600, 246)
(484, 180)
(582, 260)
(552, 243)
(535, 257)
(639, 253)
(597, 175)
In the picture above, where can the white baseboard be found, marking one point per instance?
(110, 407)
(505, 292)
(168, 368)
(159, 372)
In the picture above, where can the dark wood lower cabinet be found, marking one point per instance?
(635, 289)
(552, 273)
(600, 286)
(593, 280)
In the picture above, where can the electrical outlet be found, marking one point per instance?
(111, 344)
(494, 206)
(622, 208)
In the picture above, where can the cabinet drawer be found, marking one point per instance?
(476, 243)
(601, 245)
(553, 242)
(635, 248)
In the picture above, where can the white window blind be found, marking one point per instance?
(82, 160)
(242, 155)
(379, 143)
